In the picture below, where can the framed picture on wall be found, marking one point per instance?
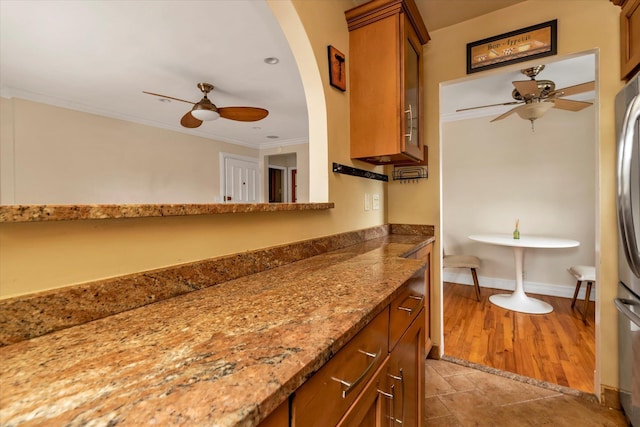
(520, 45)
(337, 69)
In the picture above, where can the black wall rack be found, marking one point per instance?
(348, 170)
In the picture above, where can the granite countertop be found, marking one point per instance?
(34, 213)
(226, 355)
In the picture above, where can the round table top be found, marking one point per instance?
(525, 241)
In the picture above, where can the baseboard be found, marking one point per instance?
(610, 397)
(553, 290)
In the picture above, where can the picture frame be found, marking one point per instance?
(528, 43)
(337, 68)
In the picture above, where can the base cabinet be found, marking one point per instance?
(323, 399)
(395, 395)
(377, 379)
(406, 374)
(278, 418)
(425, 254)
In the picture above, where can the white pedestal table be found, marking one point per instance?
(518, 300)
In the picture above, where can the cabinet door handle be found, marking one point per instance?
(392, 402)
(401, 379)
(410, 123)
(416, 307)
(349, 386)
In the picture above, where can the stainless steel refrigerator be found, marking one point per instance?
(628, 208)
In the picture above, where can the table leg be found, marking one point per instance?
(518, 300)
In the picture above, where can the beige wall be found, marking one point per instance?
(38, 256)
(582, 26)
(496, 173)
(72, 157)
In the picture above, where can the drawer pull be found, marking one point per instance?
(416, 307)
(350, 386)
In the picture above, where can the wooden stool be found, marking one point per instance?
(464, 261)
(583, 273)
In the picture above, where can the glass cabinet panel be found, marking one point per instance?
(411, 93)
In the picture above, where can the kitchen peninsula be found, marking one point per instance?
(225, 355)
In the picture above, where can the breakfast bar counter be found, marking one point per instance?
(226, 355)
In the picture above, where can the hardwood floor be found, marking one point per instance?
(556, 347)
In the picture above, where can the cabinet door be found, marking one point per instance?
(630, 37)
(278, 418)
(406, 374)
(412, 91)
(424, 254)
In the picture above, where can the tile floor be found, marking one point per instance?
(460, 396)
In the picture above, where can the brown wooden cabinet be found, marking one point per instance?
(378, 377)
(278, 418)
(425, 253)
(629, 37)
(328, 394)
(373, 406)
(395, 395)
(406, 374)
(386, 80)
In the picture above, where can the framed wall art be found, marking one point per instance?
(516, 46)
(337, 69)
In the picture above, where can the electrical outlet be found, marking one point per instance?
(367, 201)
(376, 202)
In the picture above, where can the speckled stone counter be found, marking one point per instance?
(31, 213)
(225, 355)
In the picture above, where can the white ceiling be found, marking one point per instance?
(98, 57)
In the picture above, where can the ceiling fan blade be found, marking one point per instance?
(489, 105)
(572, 90)
(507, 114)
(168, 97)
(189, 121)
(527, 88)
(243, 114)
(570, 105)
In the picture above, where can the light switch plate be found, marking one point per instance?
(367, 201)
(376, 202)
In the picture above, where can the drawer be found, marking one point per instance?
(406, 306)
(422, 253)
(326, 396)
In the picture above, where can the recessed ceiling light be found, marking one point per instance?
(256, 127)
(165, 100)
(271, 60)
(273, 136)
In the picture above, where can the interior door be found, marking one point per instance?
(294, 185)
(241, 181)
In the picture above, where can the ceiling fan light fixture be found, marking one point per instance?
(205, 113)
(534, 110)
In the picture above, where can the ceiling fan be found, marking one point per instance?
(535, 97)
(205, 110)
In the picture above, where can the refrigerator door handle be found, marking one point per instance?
(622, 305)
(625, 214)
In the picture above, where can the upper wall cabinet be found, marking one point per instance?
(385, 45)
(629, 37)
